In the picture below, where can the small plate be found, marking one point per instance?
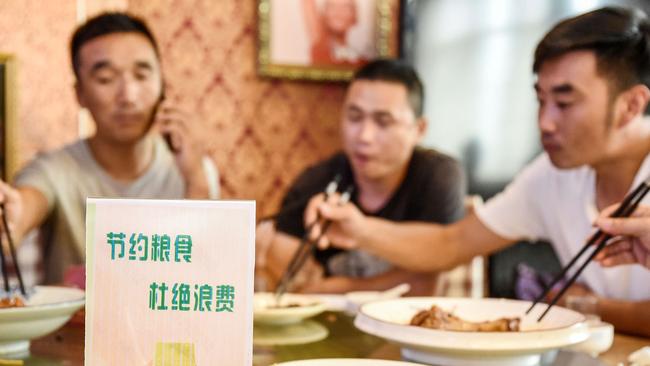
(47, 309)
(304, 332)
(346, 362)
(304, 307)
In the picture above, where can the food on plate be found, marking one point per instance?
(436, 318)
(11, 302)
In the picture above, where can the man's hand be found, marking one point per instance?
(13, 204)
(348, 222)
(264, 235)
(185, 140)
(633, 245)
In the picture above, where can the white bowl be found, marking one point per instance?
(265, 313)
(390, 320)
(601, 338)
(346, 362)
(47, 309)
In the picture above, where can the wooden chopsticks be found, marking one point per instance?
(307, 246)
(599, 240)
(12, 250)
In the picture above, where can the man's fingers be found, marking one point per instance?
(619, 252)
(311, 212)
(616, 260)
(637, 226)
(607, 212)
(323, 243)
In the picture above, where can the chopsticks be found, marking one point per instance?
(12, 250)
(331, 187)
(625, 209)
(306, 247)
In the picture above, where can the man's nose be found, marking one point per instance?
(368, 131)
(128, 92)
(547, 118)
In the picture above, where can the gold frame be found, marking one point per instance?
(9, 120)
(386, 47)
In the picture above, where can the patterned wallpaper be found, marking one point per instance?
(38, 38)
(261, 133)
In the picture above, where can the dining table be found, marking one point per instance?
(328, 335)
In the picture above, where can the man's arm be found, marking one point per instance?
(631, 317)
(280, 252)
(414, 246)
(26, 208)
(187, 147)
(421, 283)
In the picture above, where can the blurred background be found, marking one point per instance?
(475, 57)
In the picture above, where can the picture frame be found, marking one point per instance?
(325, 40)
(8, 114)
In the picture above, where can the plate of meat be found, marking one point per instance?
(44, 311)
(463, 331)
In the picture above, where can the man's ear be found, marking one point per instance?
(634, 103)
(421, 124)
(79, 94)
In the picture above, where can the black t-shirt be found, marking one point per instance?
(433, 190)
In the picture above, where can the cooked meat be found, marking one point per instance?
(436, 318)
(11, 302)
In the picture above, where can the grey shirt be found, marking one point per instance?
(68, 176)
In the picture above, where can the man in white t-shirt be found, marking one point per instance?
(593, 78)
(118, 79)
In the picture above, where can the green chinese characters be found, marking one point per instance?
(153, 248)
(199, 298)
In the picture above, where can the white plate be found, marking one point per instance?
(47, 309)
(346, 362)
(304, 332)
(264, 314)
(390, 320)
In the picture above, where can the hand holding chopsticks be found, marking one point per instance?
(633, 242)
(306, 246)
(12, 250)
(599, 241)
(330, 189)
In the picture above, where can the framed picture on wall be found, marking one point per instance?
(7, 116)
(325, 39)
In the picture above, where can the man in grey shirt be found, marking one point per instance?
(117, 67)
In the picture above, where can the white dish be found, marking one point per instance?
(356, 299)
(346, 362)
(304, 332)
(333, 302)
(601, 338)
(390, 320)
(265, 310)
(46, 310)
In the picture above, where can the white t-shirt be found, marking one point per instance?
(544, 202)
(68, 176)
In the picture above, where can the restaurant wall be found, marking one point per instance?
(260, 132)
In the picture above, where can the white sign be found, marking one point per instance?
(169, 282)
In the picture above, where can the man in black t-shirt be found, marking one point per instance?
(381, 125)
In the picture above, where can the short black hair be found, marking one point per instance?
(103, 24)
(619, 37)
(395, 71)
